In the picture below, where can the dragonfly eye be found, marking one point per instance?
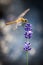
(25, 20)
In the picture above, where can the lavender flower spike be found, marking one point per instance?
(27, 46)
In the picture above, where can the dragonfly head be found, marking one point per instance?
(24, 20)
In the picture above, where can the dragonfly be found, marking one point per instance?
(20, 20)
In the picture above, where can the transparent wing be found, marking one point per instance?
(22, 14)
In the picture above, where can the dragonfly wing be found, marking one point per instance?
(22, 15)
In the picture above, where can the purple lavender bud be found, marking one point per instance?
(28, 27)
(28, 34)
(25, 34)
(27, 46)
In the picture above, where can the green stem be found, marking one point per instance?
(27, 57)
